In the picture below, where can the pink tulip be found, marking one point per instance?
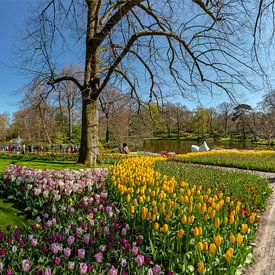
(26, 265)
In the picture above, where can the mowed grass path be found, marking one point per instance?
(12, 216)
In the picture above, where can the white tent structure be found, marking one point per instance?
(203, 148)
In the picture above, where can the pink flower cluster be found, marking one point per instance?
(24, 183)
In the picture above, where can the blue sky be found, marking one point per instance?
(12, 17)
(13, 14)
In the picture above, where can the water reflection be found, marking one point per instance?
(156, 146)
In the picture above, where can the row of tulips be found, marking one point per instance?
(88, 235)
(35, 188)
(245, 159)
(188, 227)
(79, 232)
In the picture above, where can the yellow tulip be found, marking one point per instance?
(217, 223)
(196, 232)
(180, 233)
(191, 219)
(200, 246)
(200, 267)
(252, 218)
(218, 240)
(132, 209)
(229, 254)
(205, 246)
(244, 228)
(165, 228)
(232, 239)
(239, 239)
(156, 226)
(184, 219)
(128, 198)
(200, 230)
(212, 248)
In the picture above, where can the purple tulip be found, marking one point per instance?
(83, 268)
(106, 229)
(70, 240)
(8, 271)
(156, 269)
(22, 244)
(26, 265)
(48, 271)
(81, 253)
(135, 250)
(147, 259)
(34, 242)
(14, 248)
(67, 252)
(86, 238)
(139, 260)
(2, 252)
(57, 261)
(9, 241)
(113, 271)
(98, 257)
(150, 272)
(43, 249)
(89, 268)
(38, 271)
(54, 248)
(1, 266)
(123, 231)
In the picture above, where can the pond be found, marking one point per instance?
(156, 146)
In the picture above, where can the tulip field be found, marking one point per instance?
(141, 215)
(245, 159)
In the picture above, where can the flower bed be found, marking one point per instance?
(84, 236)
(148, 219)
(78, 229)
(188, 227)
(35, 189)
(245, 159)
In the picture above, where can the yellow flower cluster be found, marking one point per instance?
(166, 206)
(224, 152)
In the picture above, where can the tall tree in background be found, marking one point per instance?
(225, 109)
(241, 116)
(204, 46)
(4, 123)
(111, 102)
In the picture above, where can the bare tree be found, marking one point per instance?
(68, 97)
(226, 112)
(4, 123)
(204, 45)
(111, 102)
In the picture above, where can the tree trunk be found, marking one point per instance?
(89, 132)
(70, 124)
(107, 137)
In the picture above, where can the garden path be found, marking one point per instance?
(264, 251)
